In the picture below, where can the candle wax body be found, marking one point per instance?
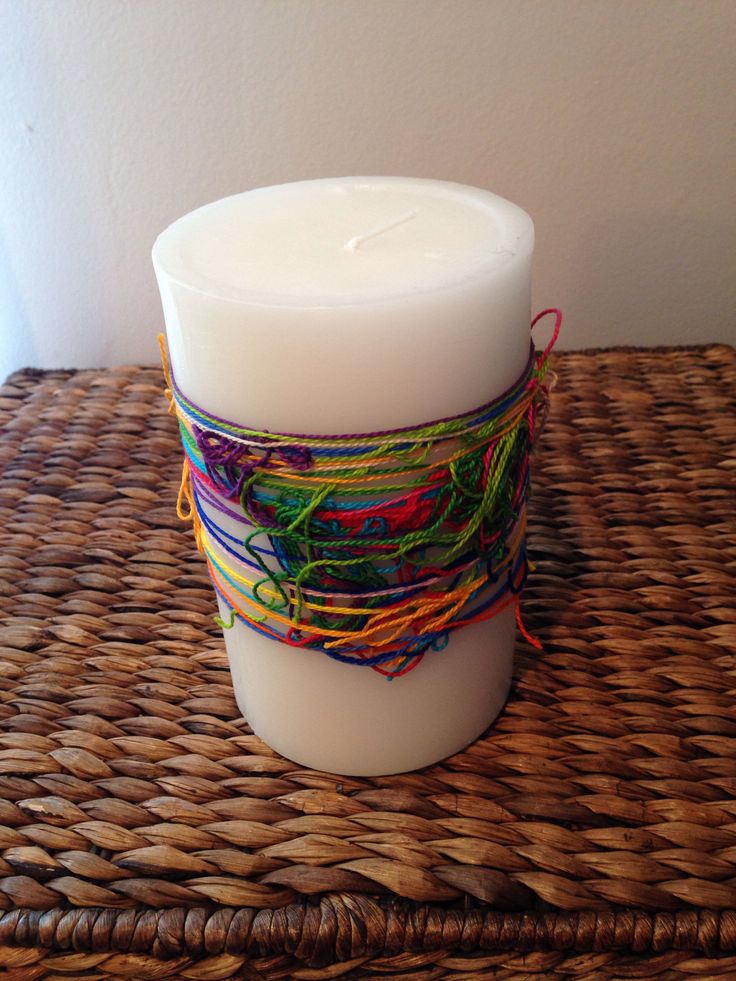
(353, 305)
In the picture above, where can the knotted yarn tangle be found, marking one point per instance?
(369, 547)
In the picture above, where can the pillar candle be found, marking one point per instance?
(353, 305)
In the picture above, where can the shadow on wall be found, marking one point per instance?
(674, 264)
(17, 346)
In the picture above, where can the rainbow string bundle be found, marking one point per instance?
(373, 547)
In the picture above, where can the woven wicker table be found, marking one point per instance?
(145, 832)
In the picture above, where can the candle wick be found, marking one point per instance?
(358, 240)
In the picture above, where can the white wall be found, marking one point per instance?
(610, 121)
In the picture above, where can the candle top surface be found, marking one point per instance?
(343, 240)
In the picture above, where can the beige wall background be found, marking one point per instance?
(611, 121)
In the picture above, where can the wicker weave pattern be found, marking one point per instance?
(140, 817)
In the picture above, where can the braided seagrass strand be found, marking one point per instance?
(369, 547)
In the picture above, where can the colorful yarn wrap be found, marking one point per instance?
(369, 547)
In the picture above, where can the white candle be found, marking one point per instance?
(353, 305)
